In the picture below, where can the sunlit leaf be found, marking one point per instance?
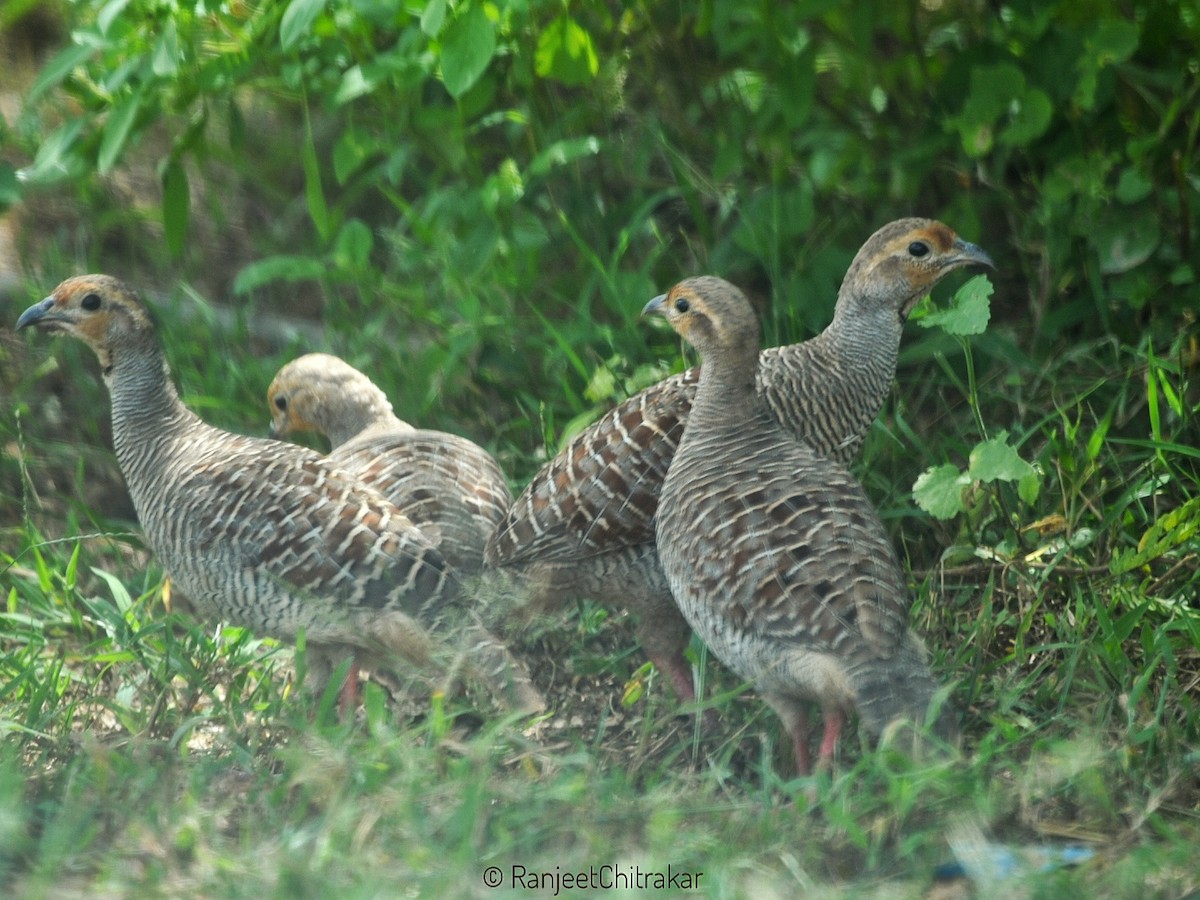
(969, 310)
(996, 460)
(938, 491)
(467, 49)
(297, 21)
(565, 52)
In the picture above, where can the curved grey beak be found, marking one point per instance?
(655, 307)
(38, 313)
(971, 253)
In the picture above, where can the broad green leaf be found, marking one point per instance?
(969, 311)
(433, 17)
(60, 67)
(1029, 121)
(176, 205)
(109, 14)
(278, 268)
(116, 131)
(1114, 41)
(467, 49)
(297, 21)
(1029, 488)
(165, 61)
(938, 491)
(995, 460)
(349, 153)
(1125, 238)
(566, 53)
(352, 250)
(354, 85)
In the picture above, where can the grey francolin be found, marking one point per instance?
(444, 483)
(584, 526)
(774, 554)
(268, 535)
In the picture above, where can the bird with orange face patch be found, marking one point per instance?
(774, 554)
(264, 534)
(584, 526)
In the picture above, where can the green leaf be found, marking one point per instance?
(352, 250)
(60, 67)
(1029, 121)
(119, 592)
(10, 190)
(165, 60)
(566, 53)
(969, 311)
(297, 21)
(1029, 488)
(560, 153)
(995, 460)
(116, 131)
(278, 268)
(467, 49)
(433, 17)
(938, 491)
(349, 153)
(318, 210)
(176, 205)
(1125, 238)
(58, 156)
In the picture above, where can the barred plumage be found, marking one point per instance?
(257, 532)
(773, 553)
(447, 485)
(585, 523)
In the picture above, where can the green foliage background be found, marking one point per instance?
(473, 200)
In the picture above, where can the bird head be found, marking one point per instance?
(708, 313)
(902, 261)
(295, 395)
(98, 309)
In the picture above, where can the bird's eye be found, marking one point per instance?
(918, 249)
(281, 403)
(91, 302)
(681, 304)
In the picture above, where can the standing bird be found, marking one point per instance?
(774, 554)
(585, 524)
(444, 483)
(259, 533)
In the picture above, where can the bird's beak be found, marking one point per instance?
(41, 313)
(968, 253)
(656, 307)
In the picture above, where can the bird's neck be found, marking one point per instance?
(147, 413)
(726, 396)
(861, 344)
(367, 415)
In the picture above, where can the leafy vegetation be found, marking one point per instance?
(472, 201)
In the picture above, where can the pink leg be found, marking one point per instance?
(679, 671)
(348, 695)
(834, 720)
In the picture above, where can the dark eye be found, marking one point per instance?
(281, 403)
(91, 302)
(681, 304)
(918, 249)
